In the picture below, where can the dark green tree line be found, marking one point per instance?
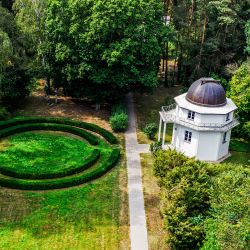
(209, 36)
(102, 49)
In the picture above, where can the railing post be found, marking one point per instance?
(159, 133)
(164, 134)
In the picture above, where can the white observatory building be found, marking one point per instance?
(203, 119)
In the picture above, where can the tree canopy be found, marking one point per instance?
(103, 49)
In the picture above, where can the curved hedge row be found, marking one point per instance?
(88, 126)
(75, 180)
(89, 162)
(92, 139)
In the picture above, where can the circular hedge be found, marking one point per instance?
(103, 154)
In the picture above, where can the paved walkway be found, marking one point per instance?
(137, 215)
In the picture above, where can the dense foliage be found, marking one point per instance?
(119, 118)
(240, 94)
(150, 130)
(228, 227)
(14, 76)
(204, 206)
(209, 35)
(185, 197)
(112, 46)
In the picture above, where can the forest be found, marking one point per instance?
(116, 47)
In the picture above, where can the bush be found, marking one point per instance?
(84, 125)
(88, 162)
(150, 130)
(155, 147)
(74, 180)
(4, 114)
(228, 227)
(185, 198)
(119, 119)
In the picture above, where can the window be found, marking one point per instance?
(188, 136)
(228, 117)
(224, 138)
(191, 115)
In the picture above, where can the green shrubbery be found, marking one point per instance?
(92, 139)
(119, 118)
(205, 206)
(88, 162)
(150, 130)
(89, 126)
(228, 226)
(185, 186)
(70, 176)
(74, 180)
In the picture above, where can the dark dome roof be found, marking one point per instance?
(207, 92)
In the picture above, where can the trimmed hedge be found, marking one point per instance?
(75, 180)
(92, 139)
(89, 161)
(84, 125)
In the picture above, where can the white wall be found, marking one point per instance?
(204, 118)
(208, 147)
(187, 148)
(205, 145)
(224, 147)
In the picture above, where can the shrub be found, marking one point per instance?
(92, 139)
(185, 198)
(88, 126)
(70, 181)
(228, 228)
(119, 119)
(88, 162)
(155, 147)
(4, 114)
(150, 130)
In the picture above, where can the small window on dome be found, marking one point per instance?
(228, 117)
(191, 115)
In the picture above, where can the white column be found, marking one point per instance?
(159, 133)
(164, 134)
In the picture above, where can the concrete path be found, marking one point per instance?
(137, 215)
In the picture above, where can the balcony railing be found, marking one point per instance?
(170, 116)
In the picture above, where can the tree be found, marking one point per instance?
(240, 94)
(7, 4)
(228, 226)
(247, 32)
(14, 79)
(30, 17)
(185, 198)
(102, 49)
(210, 36)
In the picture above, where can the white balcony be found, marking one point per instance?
(168, 115)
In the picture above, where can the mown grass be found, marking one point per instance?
(85, 217)
(32, 152)
(155, 222)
